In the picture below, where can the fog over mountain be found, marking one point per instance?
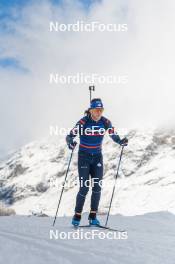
(145, 53)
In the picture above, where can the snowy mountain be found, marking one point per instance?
(31, 178)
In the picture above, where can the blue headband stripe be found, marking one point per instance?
(96, 104)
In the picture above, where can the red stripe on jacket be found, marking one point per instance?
(81, 145)
(82, 122)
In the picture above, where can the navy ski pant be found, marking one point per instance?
(89, 165)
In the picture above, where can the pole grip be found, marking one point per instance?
(91, 88)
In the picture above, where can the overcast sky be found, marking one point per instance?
(29, 53)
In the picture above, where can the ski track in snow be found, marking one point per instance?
(151, 239)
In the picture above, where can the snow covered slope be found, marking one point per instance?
(27, 240)
(30, 180)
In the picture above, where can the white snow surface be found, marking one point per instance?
(150, 240)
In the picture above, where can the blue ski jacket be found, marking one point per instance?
(91, 134)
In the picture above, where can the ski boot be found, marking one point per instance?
(76, 219)
(93, 219)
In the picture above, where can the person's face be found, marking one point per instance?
(96, 113)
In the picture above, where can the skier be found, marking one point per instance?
(91, 129)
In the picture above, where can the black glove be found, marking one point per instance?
(123, 142)
(72, 145)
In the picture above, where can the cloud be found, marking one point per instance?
(145, 53)
(12, 63)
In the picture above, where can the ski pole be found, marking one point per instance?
(63, 186)
(91, 88)
(114, 185)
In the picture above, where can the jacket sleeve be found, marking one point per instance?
(75, 131)
(111, 131)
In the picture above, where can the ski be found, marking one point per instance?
(110, 228)
(101, 226)
(84, 226)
